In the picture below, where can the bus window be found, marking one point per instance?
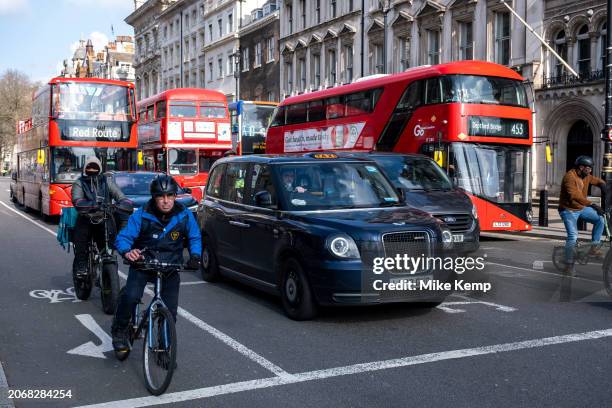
(401, 115)
(359, 103)
(149, 113)
(334, 107)
(212, 110)
(279, 117)
(160, 110)
(296, 113)
(432, 91)
(316, 111)
(183, 110)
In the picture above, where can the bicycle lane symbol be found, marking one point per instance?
(55, 295)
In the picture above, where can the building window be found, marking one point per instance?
(331, 63)
(187, 51)
(351, 5)
(245, 59)
(584, 50)
(230, 23)
(220, 24)
(466, 44)
(433, 47)
(210, 71)
(230, 64)
(303, 13)
(202, 79)
(316, 71)
(502, 38)
(379, 65)
(561, 49)
(318, 11)
(404, 53)
(270, 96)
(288, 78)
(348, 64)
(210, 33)
(290, 18)
(333, 8)
(270, 48)
(220, 65)
(171, 29)
(202, 39)
(302, 74)
(257, 55)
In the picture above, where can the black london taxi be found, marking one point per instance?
(311, 228)
(427, 187)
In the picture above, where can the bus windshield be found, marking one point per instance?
(93, 101)
(67, 162)
(183, 110)
(182, 161)
(479, 89)
(328, 186)
(496, 173)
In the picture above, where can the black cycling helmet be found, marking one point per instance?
(163, 184)
(584, 161)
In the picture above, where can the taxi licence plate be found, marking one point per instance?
(457, 237)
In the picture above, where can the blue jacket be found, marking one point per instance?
(145, 230)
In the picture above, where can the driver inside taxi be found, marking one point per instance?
(289, 182)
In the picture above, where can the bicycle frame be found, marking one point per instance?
(146, 317)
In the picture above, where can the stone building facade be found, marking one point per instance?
(147, 61)
(570, 110)
(259, 74)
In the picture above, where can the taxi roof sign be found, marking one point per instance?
(325, 156)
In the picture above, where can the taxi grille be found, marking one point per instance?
(456, 222)
(411, 243)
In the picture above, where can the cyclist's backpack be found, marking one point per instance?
(66, 227)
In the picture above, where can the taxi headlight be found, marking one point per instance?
(342, 246)
(447, 236)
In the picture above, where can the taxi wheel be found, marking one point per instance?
(209, 267)
(296, 294)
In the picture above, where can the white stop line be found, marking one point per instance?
(233, 388)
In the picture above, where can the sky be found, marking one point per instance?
(37, 35)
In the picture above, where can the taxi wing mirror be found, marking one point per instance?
(401, 193)
(263, 199)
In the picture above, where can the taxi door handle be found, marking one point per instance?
(239, 224)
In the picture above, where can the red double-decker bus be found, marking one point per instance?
(182, 132)
(472, 117)
(72, 119)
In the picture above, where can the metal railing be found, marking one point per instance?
(569, 79)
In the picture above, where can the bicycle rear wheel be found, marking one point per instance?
(159, 351)
(84, 283)
(558, 258)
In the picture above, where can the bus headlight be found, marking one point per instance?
(474, 212)
(342, 246)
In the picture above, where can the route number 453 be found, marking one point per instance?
(517, 129)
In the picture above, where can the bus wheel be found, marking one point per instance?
(23, 199)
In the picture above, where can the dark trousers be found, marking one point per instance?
(133, 290)
(83, 231)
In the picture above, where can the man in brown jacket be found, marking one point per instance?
(573, 204)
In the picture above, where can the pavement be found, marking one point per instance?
(537, 338)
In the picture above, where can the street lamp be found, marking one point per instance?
(236, 56)
(384, 6)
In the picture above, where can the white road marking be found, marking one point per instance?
(240, 348)
(201, 324)
(55, 295)
(193, 283)
(29, 219)
(543, 272)
(5, 401)
(233, 388)
(90, 349)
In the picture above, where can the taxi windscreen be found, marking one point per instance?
(335, 185)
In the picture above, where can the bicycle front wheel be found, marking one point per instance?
(159, 351)
(607, 277)
(109, 287)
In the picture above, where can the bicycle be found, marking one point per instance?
(160, 342)
(582, 250)
(102, 269)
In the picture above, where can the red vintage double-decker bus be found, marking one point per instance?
(182, 132)
(72, 118)
(473, 117)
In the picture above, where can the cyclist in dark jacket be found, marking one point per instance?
(162, 226)
(88, 193)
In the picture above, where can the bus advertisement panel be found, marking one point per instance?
(182, 132)
(250, 121)
(472, 117)
(72, 118)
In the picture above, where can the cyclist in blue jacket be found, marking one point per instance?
(161, 226)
